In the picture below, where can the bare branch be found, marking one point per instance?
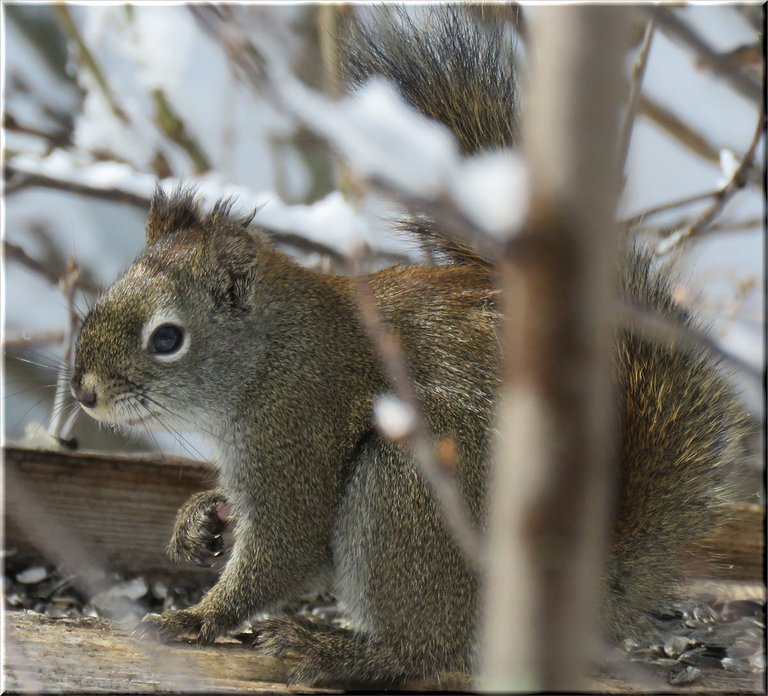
(19, 180)
(678, 129)
(56, 139)
(636, 87)
(720, 64)
(737, 182)
(440, 478)
(70, 28)
(639, 218)
(725, 226)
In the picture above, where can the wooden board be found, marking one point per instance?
(88, 655)
(118, 510)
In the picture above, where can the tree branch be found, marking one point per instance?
(738, 181)
(549, 502)
(671, 24)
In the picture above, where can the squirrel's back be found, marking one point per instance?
(680, 422)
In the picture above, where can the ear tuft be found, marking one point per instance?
(169, 214)
(223, 220)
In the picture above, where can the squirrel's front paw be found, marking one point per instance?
(197, 533)
(175, 624)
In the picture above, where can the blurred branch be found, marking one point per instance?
(19, 180)
(171, 124)
(26, 338)
(720, 64)
(636, 87)
(738, 181)
(44, 528)
(679, 130)
(749, 56)
(552, 475)
(441, 480)
(70, 28)
(725, 226)
(17, 253)
(55, 139)
(754, 15)
(68, 285)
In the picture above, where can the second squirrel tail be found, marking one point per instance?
(680, 423)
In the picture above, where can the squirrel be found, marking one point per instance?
(213, 329)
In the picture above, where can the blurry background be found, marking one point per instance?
(116, 97)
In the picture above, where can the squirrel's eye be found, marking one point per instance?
(166, 339)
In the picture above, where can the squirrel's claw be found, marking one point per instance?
(148, 628)
(197, 537)
(173, 625)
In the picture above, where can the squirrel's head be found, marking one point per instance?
(154, 348)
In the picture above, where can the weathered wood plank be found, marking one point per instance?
(121, 508)
(88, 655)
(118, 509)
(740, 543)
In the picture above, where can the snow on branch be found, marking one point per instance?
(331, 226)
(387, 142)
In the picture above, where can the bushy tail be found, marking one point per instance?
(451, 67)
(680, 422)
(682, 431)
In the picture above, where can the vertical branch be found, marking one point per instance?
(548, 505)
(68, 286)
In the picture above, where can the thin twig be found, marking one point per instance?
(636, 87)
(726, 226)
(678, 129)
(442, 482)
(671, 24)
(640, 217)
(737, 182)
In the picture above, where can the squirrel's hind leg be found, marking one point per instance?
(328, 655)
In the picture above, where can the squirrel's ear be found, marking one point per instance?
(234, 249)
(171, 213)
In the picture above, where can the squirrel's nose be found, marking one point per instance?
(87, 397)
